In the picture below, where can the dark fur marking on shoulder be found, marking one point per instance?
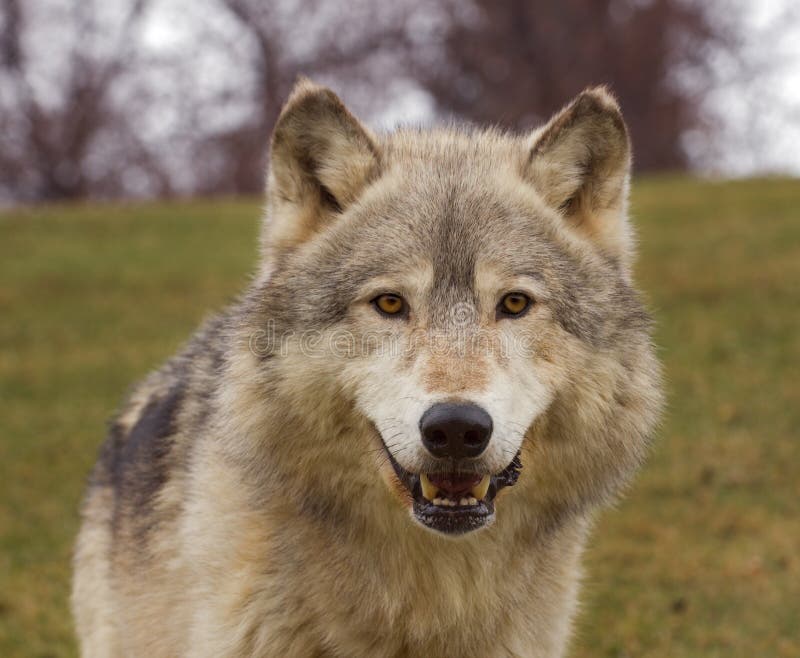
(139, 465)
(157, 420)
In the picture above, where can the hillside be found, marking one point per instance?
(700, 560)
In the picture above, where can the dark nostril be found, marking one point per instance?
(455, 430)
(471, 438)
(438, 438)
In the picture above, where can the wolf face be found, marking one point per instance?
(469, 293)
(395, 438)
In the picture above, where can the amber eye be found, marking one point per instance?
(513, 304)
(390, 304)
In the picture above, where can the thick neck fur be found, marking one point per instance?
(318, 514)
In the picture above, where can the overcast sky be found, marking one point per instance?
(754, 119)
(760, 117)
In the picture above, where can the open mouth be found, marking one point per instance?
(455, 502)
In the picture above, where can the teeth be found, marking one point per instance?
(448, 502)
(431, 493)
(428, 490)
(480, 489)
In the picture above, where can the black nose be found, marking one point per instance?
(455, 430)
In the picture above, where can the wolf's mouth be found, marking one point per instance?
(455, 502)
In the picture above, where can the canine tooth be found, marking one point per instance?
(480, 489)
(463, 502)
(472, 501)
(428, 490)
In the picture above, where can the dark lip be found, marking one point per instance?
(456, 520)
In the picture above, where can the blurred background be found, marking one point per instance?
(133, 142)
(165, 98)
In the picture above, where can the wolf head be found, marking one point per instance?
(465, 297)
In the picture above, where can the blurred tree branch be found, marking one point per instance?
(49, 136)
(114, 98)
(339, 47)
(516, 61)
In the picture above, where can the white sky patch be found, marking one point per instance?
(413, 107)
(755, 109)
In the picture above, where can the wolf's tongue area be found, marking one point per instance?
(455, 485)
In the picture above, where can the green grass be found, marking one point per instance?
(701, 559)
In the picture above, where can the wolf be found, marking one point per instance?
(395, 441)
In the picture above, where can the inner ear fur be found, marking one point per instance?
(580, 163)
(321, 159)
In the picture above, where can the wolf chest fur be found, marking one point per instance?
(394, 442)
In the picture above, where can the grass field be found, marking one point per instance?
(703, 557)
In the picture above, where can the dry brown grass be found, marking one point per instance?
(700, 560)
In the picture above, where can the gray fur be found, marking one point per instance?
(243, 503)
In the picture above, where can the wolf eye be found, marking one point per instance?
(513, 305)
(389, 304)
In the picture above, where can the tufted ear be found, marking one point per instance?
(321, 160)
(580, 163)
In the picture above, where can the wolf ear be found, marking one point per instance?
(580, 162)
(321, 160)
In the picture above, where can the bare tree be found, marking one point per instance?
(117, 98)
(88, 109)
(320, 38)
(513, 62)
(63, 134)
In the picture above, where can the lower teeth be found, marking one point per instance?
(447, 502)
